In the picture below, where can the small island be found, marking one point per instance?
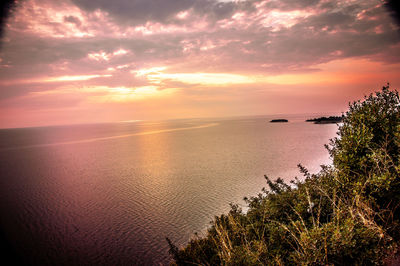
(278, 121)
(326, 120)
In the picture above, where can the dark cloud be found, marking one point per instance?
(393, 6)
(291, 4)
(215, 11)
(26, 51)
(6, 8)
(137, 11)
(73, 20)
(330, 20)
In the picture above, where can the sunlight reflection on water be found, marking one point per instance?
(110, 194)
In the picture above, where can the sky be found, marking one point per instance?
(82, 61)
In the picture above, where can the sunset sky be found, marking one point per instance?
(82, 61)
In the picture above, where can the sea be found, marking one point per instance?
(110, 194)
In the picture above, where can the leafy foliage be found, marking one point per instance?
(347, 214)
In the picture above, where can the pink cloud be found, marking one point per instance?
(192, 58)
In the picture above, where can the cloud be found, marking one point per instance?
(238, 36)
(73, 20)
(201, 43)
(394, 9)
(137, 11)
(6, 8)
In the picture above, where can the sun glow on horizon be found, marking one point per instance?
(333, 72)
(75, 78)
(125, 94)
(219, 79)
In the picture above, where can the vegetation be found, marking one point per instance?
(347, 214)
(326, 120)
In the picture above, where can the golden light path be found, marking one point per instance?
(111, 137)
(74, 78)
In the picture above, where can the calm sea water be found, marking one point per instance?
(109, 194)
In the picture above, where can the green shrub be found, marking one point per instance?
(347, 214)
(366, 151)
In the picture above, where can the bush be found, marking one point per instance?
(368, 142)
(347, 214)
